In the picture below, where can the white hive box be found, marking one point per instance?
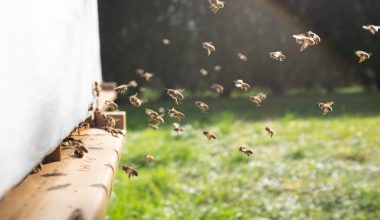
(49, 58)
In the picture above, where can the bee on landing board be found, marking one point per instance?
(218, 88)
(209, 135)
(363, 55)
(131, 171)
(111, 105)
(176, 114)
(241, 85)
(277, 55)
(149, 158)
(245, 150)
(326, 107)
(113, 131)
(135, 101)
(202, 106)
(209, 47)
(270, 131)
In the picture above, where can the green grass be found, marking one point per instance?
(315, 167)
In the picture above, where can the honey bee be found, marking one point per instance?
(154, 126)
(176, 114)
(277, 56)
(371, 28)
(122, 89)
(132, 84)
(363, 55)
(149, 158)
(147, 76)
(176, 95)
(270, 131)
(209, 47)
(215, 5)
(37, 169)
(166, 41)
(242, 57)
(203, 72)
(314, 36)
(99, 114)
(257, 99)
(325, 107)
(78, 153)
(136, 102)
(218, 88)
(305, 41)
(131, 171)
(217, 68)
(242, 85)
(113, 131)
(245, 150)
(161, 110)
(81, 126)
(177, 128)
(110, 122)
(97, 89)
(202, 106)
(154, 116)
(112, 105)
(209, 135)
(140, 71)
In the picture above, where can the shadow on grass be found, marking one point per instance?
(285, 107)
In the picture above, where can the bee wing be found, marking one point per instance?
(304, 46)
(330, 103)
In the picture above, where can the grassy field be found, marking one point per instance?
(315, 167)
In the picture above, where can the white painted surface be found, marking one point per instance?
(49, 57)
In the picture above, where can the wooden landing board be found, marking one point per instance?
(74, 188)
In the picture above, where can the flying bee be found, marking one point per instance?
(161, 110)
(218, 88)
(363, 55)
(97, 89)
(242, 85)
(177, 128)
(176, 114)
(176, 95)
(113, 131)
(202, 106)
(277, 56)
(209, 47)
(217, 68)
(136, 102)
(209, 135)
(314, 36)
(245, 150)
(203, 72)
(131, 171)
(149, 158)
(325, 107)
(112, 105)
(215, 5)
(166, 41)
(270, 131)
(242, 57)
(122, 89)
(371, 28)
(99, 114)
(140, 71)
(147, 76)
(154, 126)
(257, 99)
(151, 113)
(304, 41)
(132, 84)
